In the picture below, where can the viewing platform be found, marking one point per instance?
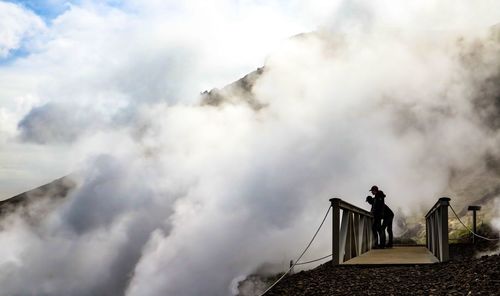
(353, 242)
(398, 255)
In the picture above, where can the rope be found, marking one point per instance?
(305, 250)
(480, 236)
(301, 263)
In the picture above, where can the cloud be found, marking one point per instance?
(17, 25)
(110, 60)
(55, 123)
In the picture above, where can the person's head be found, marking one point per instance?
(369, 199)
(374, 189)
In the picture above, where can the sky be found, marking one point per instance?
(176, 197)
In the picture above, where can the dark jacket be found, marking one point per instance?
(388, 214)
(379, 204)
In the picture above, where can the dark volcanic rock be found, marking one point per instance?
(236, 92)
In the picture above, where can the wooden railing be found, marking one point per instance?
(436, 222)
(352, 236)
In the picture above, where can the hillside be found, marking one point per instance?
(50, 194)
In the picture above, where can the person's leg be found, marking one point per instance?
(389, 231)
(377, 226)
(375, 233)
(381, 233)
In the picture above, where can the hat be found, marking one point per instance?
(374, 188)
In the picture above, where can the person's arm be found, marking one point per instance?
(381, 197)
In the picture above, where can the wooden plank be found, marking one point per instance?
(396, 255)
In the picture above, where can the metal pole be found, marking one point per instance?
(474, 226)
(474, 209)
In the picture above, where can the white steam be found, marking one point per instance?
(180, 198)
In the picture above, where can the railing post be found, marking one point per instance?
(348, 235)
(434, 235)
(444, 252)
(335, 230)
(358, 222)
(474, 209)
(343, 234)
(369, 233)
(437, 229)
(427, 234)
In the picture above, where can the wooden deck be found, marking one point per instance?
(396, 255)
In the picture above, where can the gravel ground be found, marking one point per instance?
(463, 275)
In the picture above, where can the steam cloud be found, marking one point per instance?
(177, 197)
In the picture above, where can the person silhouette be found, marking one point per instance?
(377, 225)
(369, 199)
(381, 212)
(378, 213)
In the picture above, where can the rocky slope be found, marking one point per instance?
(48, 195)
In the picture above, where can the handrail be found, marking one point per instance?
(442, 201)
(347, 206)
(352, 236)
(436, 222)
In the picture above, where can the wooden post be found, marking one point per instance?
(445, 251)
(437, 229)
(344, 234)
(335, 230)
(427, 234)
(435, 233)
(348, 235)
(474, 209)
